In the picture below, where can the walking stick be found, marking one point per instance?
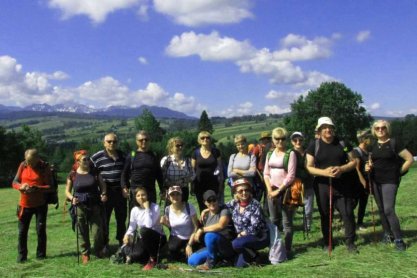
(371, 194)
(77, 226)
(330, 215)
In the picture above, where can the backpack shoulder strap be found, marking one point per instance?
(392, 145)
(132, 159)
(167, 210)
(287, 158)
(187, 208)
(316, 147)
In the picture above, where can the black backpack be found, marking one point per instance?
(52, 196)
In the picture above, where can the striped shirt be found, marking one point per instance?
(110, 169)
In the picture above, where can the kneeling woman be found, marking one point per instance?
(144, 237)
(218, 232)
(181, 218)
(82, 189)
(249, 222)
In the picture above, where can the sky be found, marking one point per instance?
(228, 57)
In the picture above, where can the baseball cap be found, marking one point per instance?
(296, 134)
(265, 134)
(324, 121)
(174, 188)
(241, 181)
(208, 194)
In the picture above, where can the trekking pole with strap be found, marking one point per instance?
(330, 215)
(371, 193)
(160, 265)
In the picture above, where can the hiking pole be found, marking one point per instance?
(158, 264)
(330, 215)
(77, 226)
(305, 232)
(371, 195)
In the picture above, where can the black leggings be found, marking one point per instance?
(385, 195)
(344, 205)
(148, 244)
(176, 247)
(362, 201)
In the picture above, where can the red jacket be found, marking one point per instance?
(38, 178)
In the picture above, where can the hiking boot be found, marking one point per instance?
(151, 264)
(387, 239)
(85, 258)
(351, 247)
(209, 264)
(400, 245)
(103, 253)
(21, 259)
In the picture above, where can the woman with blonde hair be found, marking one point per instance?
(207, 164)
(386, 170)
(176, 168)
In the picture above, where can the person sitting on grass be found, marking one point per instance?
(182, 220)
(144, 237)
(218, 232)
(249, 222)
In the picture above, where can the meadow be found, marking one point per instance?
(374, 260)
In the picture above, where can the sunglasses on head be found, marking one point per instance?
(111, 141)
(211, 200)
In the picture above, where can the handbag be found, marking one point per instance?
(294, 194)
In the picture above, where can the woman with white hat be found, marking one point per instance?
(329, 160)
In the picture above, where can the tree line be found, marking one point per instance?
(332, 99)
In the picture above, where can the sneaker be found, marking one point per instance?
(128, 260)
(103, 253)
(85, 258)
(151, 264)
(400, 245)
(387, 239)
(351, 247)
(209, 264)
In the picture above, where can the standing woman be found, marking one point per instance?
(144, 236)
(180, 217)
(87, 190)
(277, 180)
(386, 172)
(241, 164)
(207, 164)
(327, 159)
(33, 180)
(252, 232)
(176, 168)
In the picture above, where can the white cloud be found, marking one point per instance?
(287, 97)
(183, 103)
(203, 12)
(9, 68)
(363, 36)
(375, 106)
(96, 10)
(210, 47)
(151, 95)
(275, 109)
(143, 60)
(242, 109)
(277, 65)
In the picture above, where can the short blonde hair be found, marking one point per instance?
(385, 123)
(171, 144)
(240, 138)
(202, 134)
(279, 132)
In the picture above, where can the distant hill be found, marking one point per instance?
(36, 110)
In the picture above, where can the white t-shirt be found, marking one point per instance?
(182, 224)
(148, 218)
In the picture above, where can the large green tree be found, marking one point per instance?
(334, 100)
(147, 121)
(205, 124)
(406, 130)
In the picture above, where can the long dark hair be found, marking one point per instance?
(137, 189)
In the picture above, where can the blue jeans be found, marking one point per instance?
(217, 247)
(244, 246)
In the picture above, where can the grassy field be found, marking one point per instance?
(374, 259)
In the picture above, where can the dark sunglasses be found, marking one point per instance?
(298, 140)
(243, 190)
(205, 138)
(142, 140)
(211, 200)
(111, 141)
(380, 128)
(86, 158)
(179, 145)
(280, 138)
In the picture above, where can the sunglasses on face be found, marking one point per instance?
(243, 191)
(205, 138)
(142, 140)
(380, 128)
(179, 145)
(111, 141)
(84, 158)
(211, 200)
(279, 138)
(298, 140)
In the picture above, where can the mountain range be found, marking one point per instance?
(13, 112)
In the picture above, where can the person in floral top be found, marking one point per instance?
(249, 222)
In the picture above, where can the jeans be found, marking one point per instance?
(245, 246)
(385, 195)
(25, 216)
(217, 247)
(309, 205)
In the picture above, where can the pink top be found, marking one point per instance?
(274, 169)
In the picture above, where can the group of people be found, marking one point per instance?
(225, 232)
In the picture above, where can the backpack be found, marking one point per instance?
(294, 194)
(187, 208)
(52, 196)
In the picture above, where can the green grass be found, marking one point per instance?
(374, 259)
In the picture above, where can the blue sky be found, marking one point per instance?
(229, 57)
